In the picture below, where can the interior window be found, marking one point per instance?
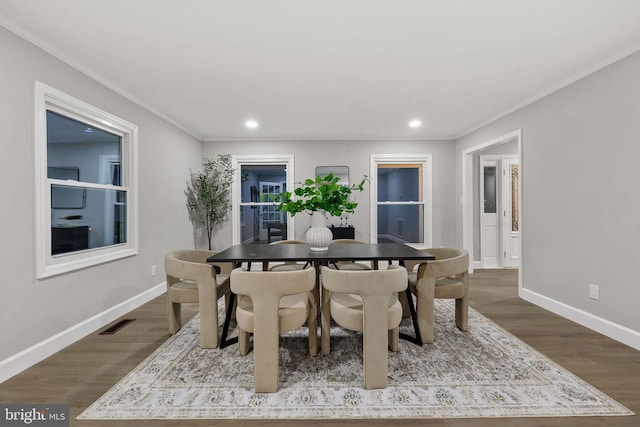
(400, 203)
(254, 217)
(261, 220)
(86, 206)
(84, 217)
(401, 199)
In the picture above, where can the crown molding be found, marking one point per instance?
(584, 73)
(64, 57)
(328, 139)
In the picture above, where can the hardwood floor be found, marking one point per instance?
(82, 372)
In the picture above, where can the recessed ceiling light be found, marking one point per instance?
(251, 124)
(415, 124)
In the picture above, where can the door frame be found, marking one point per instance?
(468, 202)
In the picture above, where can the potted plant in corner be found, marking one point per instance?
(209, 194)
(318, 198)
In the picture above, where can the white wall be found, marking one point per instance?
(36, 310)
(580, 175)
(355, 154)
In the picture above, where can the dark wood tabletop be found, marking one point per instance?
(340, 252)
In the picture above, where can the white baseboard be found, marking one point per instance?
(17, 363)
(605, 327)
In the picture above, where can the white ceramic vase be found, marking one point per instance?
(319, 235)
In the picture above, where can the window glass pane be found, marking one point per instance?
(400, 223)
(514, 198)
(490, 204)
(101, 222)
(93, 153)
(249, 224)
(399, 184)
(252, 177)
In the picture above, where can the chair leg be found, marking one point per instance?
(266, 346)
(243, 342)
(174, 314)
(394, 339)
(325, 322)
(375, 343)
(462, 313)
(209, 324)
(402, 297)
(312, 322)
(424, 313)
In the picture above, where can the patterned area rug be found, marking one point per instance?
(485, 372)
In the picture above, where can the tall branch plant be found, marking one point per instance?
(209, 194)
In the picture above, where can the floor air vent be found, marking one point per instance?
(116, 327)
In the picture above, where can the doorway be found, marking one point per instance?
(471, 233)
(498, 211)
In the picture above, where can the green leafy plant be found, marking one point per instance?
(209, 194)
(323, 193)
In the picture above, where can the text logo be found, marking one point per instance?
(34, 415)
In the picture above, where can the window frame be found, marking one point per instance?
(237, 161)
(48, 98)
(427, 185)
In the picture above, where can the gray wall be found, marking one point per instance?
(34, 310)
(355, 154)
(580, 175)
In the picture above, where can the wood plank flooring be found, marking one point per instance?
(82, 372)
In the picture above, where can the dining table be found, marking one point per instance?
(373, 252)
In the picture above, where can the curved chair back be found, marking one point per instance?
(365, 301)
(191, 279)
(271, 302)
(366, 283)
(445, 277)
(287, 265)
(350, 265)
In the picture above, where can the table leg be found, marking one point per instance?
(224, 342)
(316, 290)
(414, 317)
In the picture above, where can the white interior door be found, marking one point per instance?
(510, 214)
(489, 220)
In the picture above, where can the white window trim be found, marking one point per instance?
(47, 97)
(427, 182)
(237, 161)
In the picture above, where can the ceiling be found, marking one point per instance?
(331, 69)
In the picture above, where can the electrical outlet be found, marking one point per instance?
(153, 270)
(594, 292)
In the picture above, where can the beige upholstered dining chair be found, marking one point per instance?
(288, 265)
(349, 265)
(269, 303)
(445, 277)
(365, 300)
(191, 279)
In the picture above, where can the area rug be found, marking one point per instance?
(485, 372)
